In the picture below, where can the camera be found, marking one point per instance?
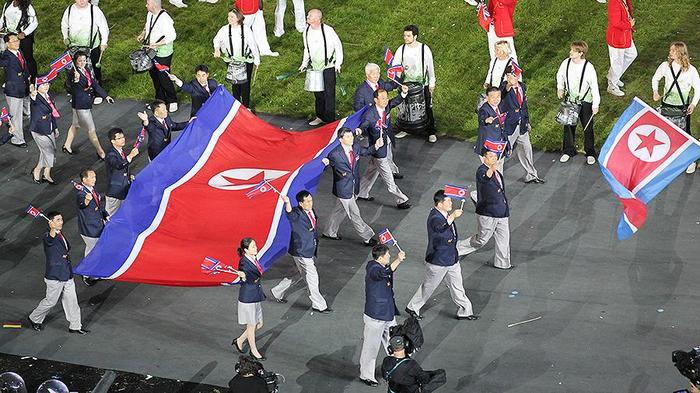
(688, 364)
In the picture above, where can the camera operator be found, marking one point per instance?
(403, 374)
(248, 379)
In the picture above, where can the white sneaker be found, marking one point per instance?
(564, 158)
(472, 3)
(620, 84)
(590, 160)
(178, 3)
(271, 54)
(316, 122)
(614, 90)
(97, 101)
(400, 135)
(691, 168)
(601, 1)
(432, 139)
(279, 34)
(172, 107)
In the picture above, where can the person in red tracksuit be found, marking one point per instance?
(501, 28)
(620, 44)
(253, 17)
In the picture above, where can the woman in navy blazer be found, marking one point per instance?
(250, 297)
(42, 124)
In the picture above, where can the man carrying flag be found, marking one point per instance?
(119, 177)
(492, 117)
(159, 127)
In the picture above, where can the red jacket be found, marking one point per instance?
(620, 29)
(502, 13)
(248, 7)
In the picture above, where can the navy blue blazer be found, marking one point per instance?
(82, 95)
(304, 239)
(370, 127)
(159, 136)
(198, 93)
(118, 174)
(442, 240)
(346, 180)
(364, 94)
(58, 266)
(517, 115)
(91, 218)
(491, 200)
(379, 292)
(251, 289)
(494, 131)
(16, 76)
(40, 120)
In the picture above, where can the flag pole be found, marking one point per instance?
(273, 187)
(397, 245)
(589, 122)
(461, 206)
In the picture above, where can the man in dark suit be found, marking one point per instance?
(442, 261)
(376, 124)
(159, 127)
(344, 160)
(119, 177)
(58, 279)
(517, 123)
(200, 88)
(303, 245)
(491, 212)
(16, 86)
(380, 308)
(92, 215)
(492, 117)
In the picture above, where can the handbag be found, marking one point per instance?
(676, 114)
(569, 110)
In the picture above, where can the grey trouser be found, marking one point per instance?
(15, 107)
(348, 207)
(390, 156)
(375, 168)
(89, 243)
(112, 205)
(376, 335)
(434, 275)
(69, 301)
(487, 227)
(523, 149)
(307, 271)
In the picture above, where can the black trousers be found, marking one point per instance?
(95, 58)
(325, 100)
(241, 91)
(584, 116)
(165, 90)
(430, 128)
(27, 47)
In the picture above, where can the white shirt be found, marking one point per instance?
(314, 52)
(12, 16)
(164, 27)
(687, 80)
(590, 79)
(496, 74)
(221, 42)
(374, 86)
(411, 58)
(79, 24)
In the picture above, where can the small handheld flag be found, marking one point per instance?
(484, 16)
(388, 56)
(161, 67)
(140, 138)
(34, 212)
(262, 187)
(214, 266)
(385, 237)
(494, 146)
(516, 69)
(393, 71)
(456, 191)
(61, 62)
(4, 115)
(78, 186)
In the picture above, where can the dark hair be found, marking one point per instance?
(342, 131)
(379, 251)
(50, 215)
(439, 196)
(247, 365)
(113, 133)
(85, 171)
(376, 92)
(79, 53)
(156, 103)
(239, 15)
(413, 29)
(8, 36)
(301, 195)
(245, 243)
(491, 89)
(201, 67)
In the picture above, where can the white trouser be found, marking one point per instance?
(256, 22)
(620, 60)
(488, 227)
(390, 157)
(16, 109)
(299, 16)
(343, 208)
(434, 275)
(380, 167)
(89, 243)
(493, 39)
(307, 271)
(523, 150)
(376, 335)
(112, 205)
(54, 289)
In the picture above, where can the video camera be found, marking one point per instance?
(688, 364)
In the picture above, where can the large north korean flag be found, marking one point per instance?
(190, 203)
(642, 155)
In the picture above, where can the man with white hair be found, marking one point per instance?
(299, 16)
(159, 34)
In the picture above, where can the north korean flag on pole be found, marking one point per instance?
(642, 155)
(456, 191)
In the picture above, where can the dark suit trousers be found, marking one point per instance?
(325, 100)
(165, 90)
(584, 116)
(241, 91)
(430, 128)
(27, 47)
(95, 58)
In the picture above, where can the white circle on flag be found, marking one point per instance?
(383, 238)
(462, 193)
(648, 143)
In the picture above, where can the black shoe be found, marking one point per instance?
(36, 326)
(331, 237)
(280, 300)
(413, 314)
(468, 318)
(397, 176)
(368, 199)
(260, 359)
(89, 281)
(79, 331)
(21, 145)
(235, 344)
(326, 311)
(371, 242)
(403, 206)
(53, 183)
(367, 382)
(69, 152)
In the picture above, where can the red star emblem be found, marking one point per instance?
(648, 142)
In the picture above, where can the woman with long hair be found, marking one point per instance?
(19, 17)
(250, 297)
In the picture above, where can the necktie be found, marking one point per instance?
(206, 87)
(352, 159)
(384, 119)
(121, 153)
(87, 76)
(498, 116)
(520, 96)
(21, 59)
(498, 178)
(164, 124)
(257, 264)
(54, 111)
(312, 219)
(96, 197)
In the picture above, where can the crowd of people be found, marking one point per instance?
(504, 127)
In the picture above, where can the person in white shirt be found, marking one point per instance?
(299, 16)
(323, 51)
(679, 78)
(417, 61)
(497, 68)
(236, 43)
(159, 34)
(84, 26)
(577, 82)
(19, 17)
